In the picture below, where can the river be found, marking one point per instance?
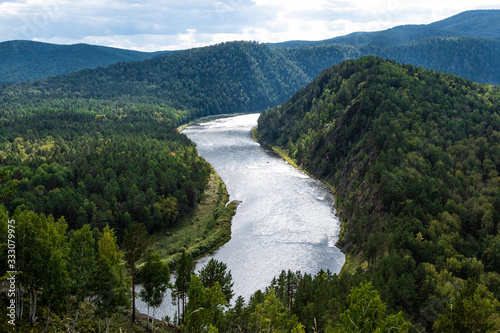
(286, 219)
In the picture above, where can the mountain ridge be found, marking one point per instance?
(22, 60)
(27, 60)
(473, 23)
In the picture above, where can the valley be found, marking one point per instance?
(403, 123)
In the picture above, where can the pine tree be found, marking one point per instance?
(134, 244)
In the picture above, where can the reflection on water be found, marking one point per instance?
(285, 221)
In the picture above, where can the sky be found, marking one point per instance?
(154, 25)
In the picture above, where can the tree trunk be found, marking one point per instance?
(178, 310)
(19, 304)
(99, 324)
(32, 315)
(107, 324)
(153, 321)
(48, 319)
(133, 291)
(76, 318)
(22, 306)
(147, 322)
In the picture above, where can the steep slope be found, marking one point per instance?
(414, 156)
(26, 60)
(224, 78)
(473, 58)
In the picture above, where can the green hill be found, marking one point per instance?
(414, 156)
(224, 78)
(26, 60)
(440, 45)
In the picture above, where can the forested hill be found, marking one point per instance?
(26, 60)
(465, 44)
(414, 156)
(224, 78)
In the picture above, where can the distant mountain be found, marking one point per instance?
(474, 23)
(224, 78)
(465, 44)
(474, 58)
(26, 60)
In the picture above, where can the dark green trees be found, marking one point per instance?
(110, 279)
(134, 244)
(155, 277)
(216, 271)
(413, 155)
(470, 311)
(183, 272)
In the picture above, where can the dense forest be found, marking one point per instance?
(23, 60)
(101, 164)
(414, 156)
(442, 45)
(224, 78)
(91, 164)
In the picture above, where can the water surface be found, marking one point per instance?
(286, 219)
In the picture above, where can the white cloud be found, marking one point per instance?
(178, 24)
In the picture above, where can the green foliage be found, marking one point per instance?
(367, 313)
(216, 271)
(472, 310)
(134, 244)
(23, 60)
(204, 308)
(155, 277)
(123, 164)
(110, 282)
(183, 272)
(414, 157)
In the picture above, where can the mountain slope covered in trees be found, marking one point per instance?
(414, 156)
(224, 78)
(26, 60)
(440, 45)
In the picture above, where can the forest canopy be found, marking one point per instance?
(414, 156)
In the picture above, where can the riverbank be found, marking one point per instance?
(351, 262)
(202, 232)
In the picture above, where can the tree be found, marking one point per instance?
(155, 276)
(216, 271)
(38, 236)
(367, 313)
(470, 311)
(205, 306)
(110, 282)
(81, 265)
(6, 191)
(183, 271)
(272, 316)
(134, 245)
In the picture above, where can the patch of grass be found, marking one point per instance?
(205, 230)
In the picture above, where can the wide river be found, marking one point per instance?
(286, 219)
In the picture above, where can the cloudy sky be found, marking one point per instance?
(152, 25)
